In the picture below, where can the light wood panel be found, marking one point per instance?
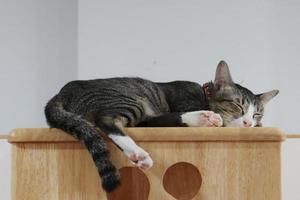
(293, 136)
(230, 170)
(171, 134)
(46, 171)
(4, 137)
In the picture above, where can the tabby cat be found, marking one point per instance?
(88, 109)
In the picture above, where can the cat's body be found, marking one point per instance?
(135, 99)
(83, 108)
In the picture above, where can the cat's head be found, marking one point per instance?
(237, 105)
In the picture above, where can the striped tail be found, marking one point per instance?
(86, 133)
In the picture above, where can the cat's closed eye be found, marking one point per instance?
(257, 115)
(235, 106)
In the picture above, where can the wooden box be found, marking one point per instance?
(189, 163)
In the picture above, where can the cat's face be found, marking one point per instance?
(237, 105)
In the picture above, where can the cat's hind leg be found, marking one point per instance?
(113, 127)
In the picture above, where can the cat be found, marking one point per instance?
(88, 109)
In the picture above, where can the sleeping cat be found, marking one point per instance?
(83, 108)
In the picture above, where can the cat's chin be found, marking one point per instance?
(235, 123)
(235, 126)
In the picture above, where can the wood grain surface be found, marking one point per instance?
(230, 170)
(171, 134)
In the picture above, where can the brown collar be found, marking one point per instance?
(207, 90)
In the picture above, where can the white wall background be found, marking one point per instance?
(168, 40)
(38, 50)
(160, 40)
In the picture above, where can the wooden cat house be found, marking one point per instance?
(189, 164)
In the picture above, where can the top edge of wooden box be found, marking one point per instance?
(171, 134)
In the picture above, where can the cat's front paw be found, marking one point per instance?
(203, 118)
(140, 158)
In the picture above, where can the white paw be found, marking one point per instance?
(140, 158)
(202, 118)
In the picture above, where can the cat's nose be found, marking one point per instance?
(247, 123)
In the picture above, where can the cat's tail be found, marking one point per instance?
(78, 127)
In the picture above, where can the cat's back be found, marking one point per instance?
(116, 84)
(113, 92)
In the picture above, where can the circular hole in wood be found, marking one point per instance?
(134, 185)
(182, 180)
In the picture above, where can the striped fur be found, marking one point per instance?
(88, 109)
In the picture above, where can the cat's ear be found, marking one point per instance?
(267, 96)
(223, 76)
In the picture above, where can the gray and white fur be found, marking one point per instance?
(88, 109)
